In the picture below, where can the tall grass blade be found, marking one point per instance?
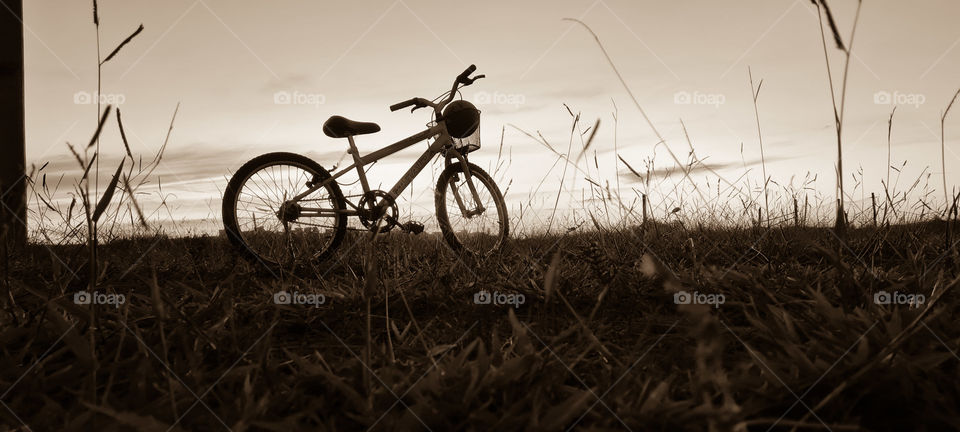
(943, 146)
(630, 168)
(103, 119)
(108, 194)
(86, 171)
(122, 44)
(593, 134)
(833, 24)
(123, 136)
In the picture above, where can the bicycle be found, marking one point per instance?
(280, 208)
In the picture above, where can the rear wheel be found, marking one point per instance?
(469, 226)
(263, 222)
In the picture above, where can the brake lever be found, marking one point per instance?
(417, 105)
(469, 81)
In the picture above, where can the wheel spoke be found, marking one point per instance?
(273, 228)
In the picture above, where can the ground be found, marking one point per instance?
(797, 339)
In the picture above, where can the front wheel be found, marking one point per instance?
(266, 224)
(473, 220)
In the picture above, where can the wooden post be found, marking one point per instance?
(948, 235)
(955, 198)
(840, 226)
(643, 198)
(951, 216)
(796, 213)
(886, 201)
(13, 181)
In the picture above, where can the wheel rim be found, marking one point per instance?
(275, 229)
(480, 233)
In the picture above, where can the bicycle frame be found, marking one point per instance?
(441, 144)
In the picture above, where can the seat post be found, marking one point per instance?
(356, 159)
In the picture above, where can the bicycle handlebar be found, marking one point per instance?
(402, 105)
(418, 102)
(466, 73)
(463, 78)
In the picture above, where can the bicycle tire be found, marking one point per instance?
(261, 163)
(443, 217)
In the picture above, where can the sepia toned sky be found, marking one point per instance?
(253, 77)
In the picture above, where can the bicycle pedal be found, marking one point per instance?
(412, 227)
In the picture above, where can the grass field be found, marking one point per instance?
(797, 339)
(770, 322)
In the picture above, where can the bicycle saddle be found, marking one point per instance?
(342, 127)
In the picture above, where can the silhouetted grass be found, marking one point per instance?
(599, 322)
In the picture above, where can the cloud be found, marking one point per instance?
(289, 81)
(698, 168)
(199, 163)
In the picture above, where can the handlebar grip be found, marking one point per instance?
(402, 105)
(466, 73)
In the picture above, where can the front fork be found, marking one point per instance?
(462, 159)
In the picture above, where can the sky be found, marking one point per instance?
(253, 77)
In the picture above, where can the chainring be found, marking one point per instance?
(385, 210)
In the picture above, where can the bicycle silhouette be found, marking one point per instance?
(281, 207)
